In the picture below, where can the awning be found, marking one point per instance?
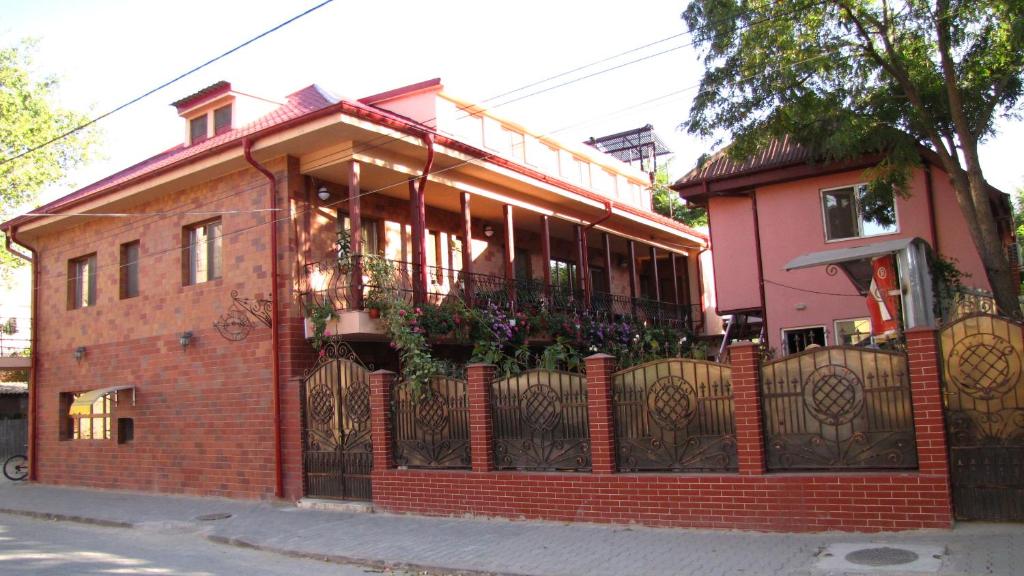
(85, 400)
(841, 255)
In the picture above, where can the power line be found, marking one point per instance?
(164, 85)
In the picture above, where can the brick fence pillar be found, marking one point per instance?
(923, 359)
(599, 410)
(746, 397)
(381, 382)
(481, 432)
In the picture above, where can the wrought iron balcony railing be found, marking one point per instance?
(328, 282)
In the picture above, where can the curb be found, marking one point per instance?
(350, 561)
(66, 518)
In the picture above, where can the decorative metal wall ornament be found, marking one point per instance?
(337, 452)
(674, 415)
(984, 393)
(432, 431)
(541, 421)
(235, 324)
(838, 408)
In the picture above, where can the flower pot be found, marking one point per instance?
(374, 313)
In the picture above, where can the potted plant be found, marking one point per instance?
(381, 276)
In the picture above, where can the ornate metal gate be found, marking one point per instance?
(984, 398)
(337, 454)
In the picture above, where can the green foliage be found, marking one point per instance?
(30, 117)
(847, 78)
(319, 314)
(667, 202)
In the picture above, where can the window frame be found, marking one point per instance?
(783, 331)
(128, 268)
(837, 334)
(860, 219)
(193, 138)
(190, 272)
(74, 426)
(571, 273)
(74, 278)
(231, 119)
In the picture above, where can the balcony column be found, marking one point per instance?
(654, 274)
(633, 282)
(582, 272)
(607, 259)
(545, 246)
(418, 219)
(467, 250)
(355, 220)
(680, 313)
(510, 255)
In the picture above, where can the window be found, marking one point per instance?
(854, 212)
(88, 416)
(853, 332)
(368, 233)
(82, 282)
(129, 270)
(125, 430)
(800, 339)
(222, 119)
(563, 274)
(201, 252)
(197, 129)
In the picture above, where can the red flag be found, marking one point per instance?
(882, 295)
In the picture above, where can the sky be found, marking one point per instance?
(106, 52)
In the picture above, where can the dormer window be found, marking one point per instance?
(222, 119)
(197, 129)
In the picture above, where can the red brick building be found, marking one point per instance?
(166, 357)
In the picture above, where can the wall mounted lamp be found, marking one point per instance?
(488, 230)
(79, 353)
(323, 193)
(185, 339)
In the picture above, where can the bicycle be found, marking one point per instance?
(16, 468)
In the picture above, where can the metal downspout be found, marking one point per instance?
(33, 395)
(274, 302)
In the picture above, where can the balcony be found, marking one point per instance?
(326, 283)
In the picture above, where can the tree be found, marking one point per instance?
(667, 202)
(29, 117)
(846, 78)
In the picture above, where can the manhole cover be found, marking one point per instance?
(884, 556)
(214, 516)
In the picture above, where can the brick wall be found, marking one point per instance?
(751, 499)
(203, 422)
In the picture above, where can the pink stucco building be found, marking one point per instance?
(778, 205)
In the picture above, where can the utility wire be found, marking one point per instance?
(164, 85)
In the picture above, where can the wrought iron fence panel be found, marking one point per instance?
(337, 454)
(432, 431)
(674, 415)
(984, 392)
(964, 301)
(836, 408)
(540, 421)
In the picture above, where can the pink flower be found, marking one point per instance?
(401, 312)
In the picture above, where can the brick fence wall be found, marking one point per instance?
(751, 499)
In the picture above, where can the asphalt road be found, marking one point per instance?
(42, 547)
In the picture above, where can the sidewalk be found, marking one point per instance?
(504, 547)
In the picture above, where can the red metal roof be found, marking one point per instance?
(309, 99)
(304, 103)
(778, 153)
(208, 92)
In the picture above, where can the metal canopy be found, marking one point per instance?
(912, 258)
(86, 399)
(638, 144)
(842, 255)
